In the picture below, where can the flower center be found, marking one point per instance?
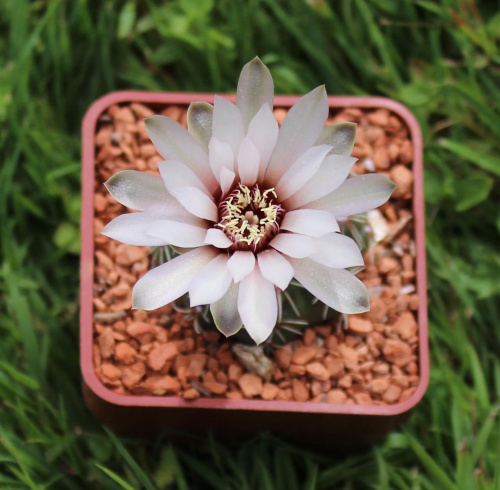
(250, 218)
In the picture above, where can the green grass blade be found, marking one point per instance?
(136, 469)
(118, 479)
(438, 475)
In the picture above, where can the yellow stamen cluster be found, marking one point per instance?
(249, 215)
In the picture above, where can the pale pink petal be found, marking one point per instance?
(221, 156)
(294, 245)
(177, 233)
(255, 88)
(248, 162)
(241, 264)
(211, 282)
(199, 122)
(337, 288)
(174, 142)
(356, 195)
(176, 175)
(311, 222)
(225, 312)
(275, 268)
(226, 180)
(139, 190)
(227, 124)
(263, 131)
(340, 137)
(257, 306)
(217, 238)
(131, 229)
(196, 202)
(299, 131)
(337, 251)
(170, 280)
(333, 171)
(302, 170)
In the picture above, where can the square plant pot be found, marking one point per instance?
(392, 144)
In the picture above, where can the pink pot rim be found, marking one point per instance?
(87, 264)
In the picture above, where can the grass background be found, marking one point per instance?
(441, 58)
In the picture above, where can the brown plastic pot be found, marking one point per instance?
(316, 424)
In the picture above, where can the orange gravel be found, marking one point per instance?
(373, 360)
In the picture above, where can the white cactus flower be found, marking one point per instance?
(254, 205)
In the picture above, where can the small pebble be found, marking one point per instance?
(234, 372)
(133, 374)
(348, 354)
(215, 387)
(397, 352)
(251, 385)
(362, 398)
(125, 353)
(300, 391)
(334, 366)
(107, 343)
(162, 385)
(195, 365)
(403, 178)
(142, 331)
(359, 325)
(336, 396)
(269, 391)
(159, 355)
(378, 385)
(406, 326)
(110, 371)
(317, 371)
(392, 394)
(309, 337)
(302, 355)
(191, 394)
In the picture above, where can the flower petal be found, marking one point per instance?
(248, 162)
(257, 306)
(139, 190)
(263, 130)
(199, 122)
(226, 180)
(337, 288)
(337, 251)
(255, 88)
(333, 171)
(340, 137)
(176, 175)
(299, 131)
(217, 238)
(275, 268)
(174, 142)
(356, 195)
(227, 125)
(170, 280)
(297, 246)
(211, 282)
(241, 264)
(311, 222)
(220, 155)
(225, 312)
(131, 229)
(301, 171)
(177, 233)
(196, 202)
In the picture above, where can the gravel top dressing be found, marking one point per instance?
(370, 359)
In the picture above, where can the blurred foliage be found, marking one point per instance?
(441, 58)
